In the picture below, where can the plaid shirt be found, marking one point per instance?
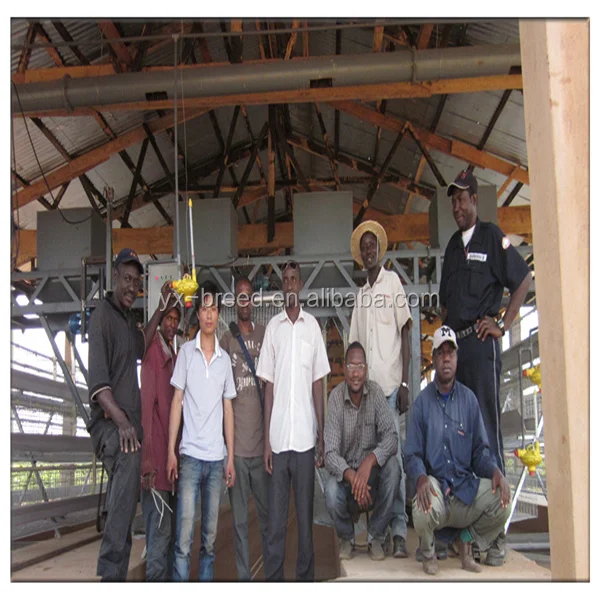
(352, 433)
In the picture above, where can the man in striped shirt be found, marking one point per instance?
(360, 454)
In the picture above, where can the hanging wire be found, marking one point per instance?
(40, 166)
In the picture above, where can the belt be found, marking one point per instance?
(463, 333)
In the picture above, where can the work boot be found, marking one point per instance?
(496, 553)
(466, 557)
(441, 551)
(346, 548)
(400, 547)
(430, 565)
(376, 550)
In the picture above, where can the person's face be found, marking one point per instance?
(445, 359)
(243, 296)
(355, 370)
(127, 283)
(464, 208)
(369, 251)
(169, 323)
(208, 315)
(292, 284)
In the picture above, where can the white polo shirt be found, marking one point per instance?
(205, 385)
(293, 356)
(377, 320)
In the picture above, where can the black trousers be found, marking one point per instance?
(299, 469)
(124, 470)
(479, 368)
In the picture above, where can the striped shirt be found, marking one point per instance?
(352, 433)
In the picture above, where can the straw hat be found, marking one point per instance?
(377, 230)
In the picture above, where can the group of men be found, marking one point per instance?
(249, 408)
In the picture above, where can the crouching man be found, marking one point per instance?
(360, 455)
(459, 485)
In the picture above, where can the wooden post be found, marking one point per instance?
(555, 60)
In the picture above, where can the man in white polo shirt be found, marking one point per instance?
(204, 388)
(293, 361)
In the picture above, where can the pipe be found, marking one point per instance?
(277, 75)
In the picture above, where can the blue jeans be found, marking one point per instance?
(202, 477)
(384, 490)
(160, 534)
(398, 522)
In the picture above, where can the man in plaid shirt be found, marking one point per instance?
(360, 455)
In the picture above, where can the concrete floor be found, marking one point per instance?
(361, 568)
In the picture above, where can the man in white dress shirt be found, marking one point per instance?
(293, 361)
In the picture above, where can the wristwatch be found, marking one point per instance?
(404, 385)
(500, 323)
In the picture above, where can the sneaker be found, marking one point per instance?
(346, 548)
(430, 565)
(376, 550)
(400, 547)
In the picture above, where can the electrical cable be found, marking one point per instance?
(40, 166)
(17, 234)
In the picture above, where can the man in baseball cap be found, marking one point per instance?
(128, 255)
(462, 495)
(479, 262)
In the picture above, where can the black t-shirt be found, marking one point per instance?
(115, 345)
(474, 278)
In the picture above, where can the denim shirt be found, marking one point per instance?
(448, 441)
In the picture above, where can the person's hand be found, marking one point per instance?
(360, 487)
(128, 440)
(487, 326)
(320, 461)
(424, 491)
(402, 400)
(168, 297)
(172, 474)
(229, 473)
(149, 480)
(268, 458)
(499, 481)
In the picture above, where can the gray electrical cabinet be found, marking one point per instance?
(62, 245)
(441, 220)
(215, 227)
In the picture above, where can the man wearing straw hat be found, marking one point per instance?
(381, 322)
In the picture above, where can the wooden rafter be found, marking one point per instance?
(424, 36)
(66, 37)
(26, 52)
(415, 136)
(360, 165)
(224, 163)
(376, 182)
(513, 194)
(134, 182)
(51, 50)
(292, 41)
(506, 184)
(120, 49)
(453, 148)
(142, 49)
(330, 155)
(97, 156)
(261, 137)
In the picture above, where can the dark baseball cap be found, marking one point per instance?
(128, 255)
(465, 179)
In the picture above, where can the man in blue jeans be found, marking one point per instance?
(381, 322)
(204, 389)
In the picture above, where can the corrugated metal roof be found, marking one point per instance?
(465, 117)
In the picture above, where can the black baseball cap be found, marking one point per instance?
(464, 180)
(128, 255)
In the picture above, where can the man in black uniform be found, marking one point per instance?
(479, 262)
(115, 426)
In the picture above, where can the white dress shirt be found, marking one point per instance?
(293, 356)
(377, 320)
